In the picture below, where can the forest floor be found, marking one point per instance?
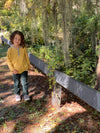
(38, 115)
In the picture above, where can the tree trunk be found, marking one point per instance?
(55, 21)
(66, 20)
(45, 21)
(23, 8)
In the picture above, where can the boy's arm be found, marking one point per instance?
(10, 65)
(27, 58)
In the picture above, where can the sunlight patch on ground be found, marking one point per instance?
(8, 73)
(52, 120)
(3, 63)
(5, 93)
(3, 59)
(8, 98)
(7, 81)
(8, 127)
(74, 107)
(6, 78)
(40, 95)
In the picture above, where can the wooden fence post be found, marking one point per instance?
(56, 96)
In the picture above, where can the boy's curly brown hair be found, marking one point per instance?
(21, 35)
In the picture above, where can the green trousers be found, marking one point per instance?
(23, 77)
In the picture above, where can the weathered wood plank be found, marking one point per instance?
(87, 94)
(38, 63)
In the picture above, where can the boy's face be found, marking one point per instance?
(17, 40)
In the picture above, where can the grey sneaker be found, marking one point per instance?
(26, 97)
(18, 98)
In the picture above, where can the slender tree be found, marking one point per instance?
(65, 6)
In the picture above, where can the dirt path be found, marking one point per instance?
(38, 115)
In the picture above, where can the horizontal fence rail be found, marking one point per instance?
(87, 94)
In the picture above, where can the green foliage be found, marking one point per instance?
(83, 69)
(50, 55)
(83, 28)
(83, 55)
(5, 13)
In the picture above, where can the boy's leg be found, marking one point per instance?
(16, 78)
(24, 81)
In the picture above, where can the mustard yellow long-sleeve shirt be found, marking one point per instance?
(17, 58)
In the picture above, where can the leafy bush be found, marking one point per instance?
(82, 67)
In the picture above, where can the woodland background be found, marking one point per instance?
(64, 33)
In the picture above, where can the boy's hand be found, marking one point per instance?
(15, 72)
